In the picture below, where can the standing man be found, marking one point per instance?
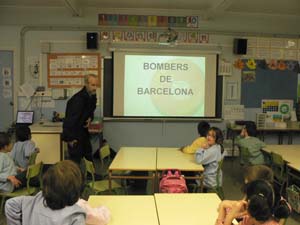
(79, 113)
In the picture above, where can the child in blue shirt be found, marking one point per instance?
(24, 147)
(210, 156)
(11, 176)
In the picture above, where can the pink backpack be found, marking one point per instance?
(172, 182)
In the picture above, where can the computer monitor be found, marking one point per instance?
(25, 117)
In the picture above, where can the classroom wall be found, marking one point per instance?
(67, 34)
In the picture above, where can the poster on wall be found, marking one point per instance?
(7, 93)
(6, 72)
(68, 69)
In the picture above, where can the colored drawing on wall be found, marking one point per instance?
(203, 38)
(129, 36)
(104, 35)
(151, 36)
(192, 37)
(248, 76)
(147, 20)
(140, 36)
(118, 36)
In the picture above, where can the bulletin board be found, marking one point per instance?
(269, 84)
(67, 70)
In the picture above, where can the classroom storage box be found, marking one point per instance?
(293, 193)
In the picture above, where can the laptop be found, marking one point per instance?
(25, 117)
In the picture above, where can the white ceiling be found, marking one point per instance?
(212, 7)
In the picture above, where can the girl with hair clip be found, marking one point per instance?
(209, 156)
(258, 208)
(265, 173)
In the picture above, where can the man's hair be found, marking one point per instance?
(250, 126)
(4, 140)
(87, 77)
(23, 133)
(62, 185)
(203, 127)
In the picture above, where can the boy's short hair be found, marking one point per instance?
(4, 140)
(203, 128)
(250, 126)
(23, 133)
(259, 172)
(62, 185)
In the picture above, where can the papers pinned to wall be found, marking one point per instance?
(234, 112)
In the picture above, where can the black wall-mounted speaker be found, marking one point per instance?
(92, 40)
(240, 46)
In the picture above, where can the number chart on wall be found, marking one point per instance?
(281, 106)
(66, 70)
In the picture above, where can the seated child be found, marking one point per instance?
(9, 177)
(258, 172)
(262, 172)
(259, 207)
(201, 141)
(23, 147)
(247, 139)
(57, 203)
(210, 155)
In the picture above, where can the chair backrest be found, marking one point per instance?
(89, 168)
(34, 171)
(32, 158)
(220, 165)
(245, 155)
(104, 153)
(278, 165)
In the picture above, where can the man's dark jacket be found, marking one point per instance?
(80, 107)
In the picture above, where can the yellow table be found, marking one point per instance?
(134, 159)
(172, 158)
(191, 209)
(133, 210)
(290, 153)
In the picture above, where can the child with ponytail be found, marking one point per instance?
(258, 208)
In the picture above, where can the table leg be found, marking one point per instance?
(109, 180)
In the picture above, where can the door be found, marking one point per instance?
(6, 89)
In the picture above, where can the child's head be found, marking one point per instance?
(62, 185)
(260, 196)
(258, 172)
(250, 127)
(262, 204)
(23, 133)
(214, 136)
(203, 127)
(5, 144)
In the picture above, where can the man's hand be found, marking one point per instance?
(88, 121)
(14, 181)
(20, 169)
(72, 143)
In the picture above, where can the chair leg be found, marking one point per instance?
(2, 204)
(220, 193)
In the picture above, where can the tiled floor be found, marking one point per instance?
(232, 173)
